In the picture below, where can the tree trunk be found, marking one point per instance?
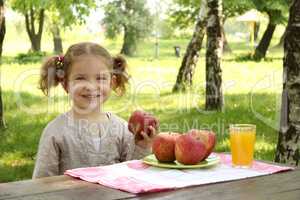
(226, 47)
(35, 37)
(2, 26)
(129, 42)
(190, 59)
(261, 49)
(57, 41)
(288, 147)
(214, 94)
(2, 34)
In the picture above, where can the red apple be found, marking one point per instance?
(207, 136)
(163, 146)
(140, 121)
(189, 150)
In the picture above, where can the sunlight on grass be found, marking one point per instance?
(15, 159)
(15, 166)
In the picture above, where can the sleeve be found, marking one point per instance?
(48, 156)
(129, 150)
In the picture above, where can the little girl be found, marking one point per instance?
(86, 136)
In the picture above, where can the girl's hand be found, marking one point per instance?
(146, 142)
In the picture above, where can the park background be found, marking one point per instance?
(252, 89)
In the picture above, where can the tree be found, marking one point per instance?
(64, 14)
(214, 94)
(288, 147)
(275, 9)
(2, 34)
(57, 41)
(130, 17)
(190, 59)
(282, 38)
(261, 49)
(2, 26)
(183, 15)
(54, 26)
(34, 14)
(59, 13)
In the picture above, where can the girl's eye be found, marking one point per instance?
(79, 78)
(102, 78)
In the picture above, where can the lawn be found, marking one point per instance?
(252, 95)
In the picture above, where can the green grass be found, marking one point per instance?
(252, 95)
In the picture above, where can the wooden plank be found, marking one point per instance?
(87, 193)
(58, 187)
(288, 195)
(284, 185)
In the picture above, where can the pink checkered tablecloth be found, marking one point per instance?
(137, 177)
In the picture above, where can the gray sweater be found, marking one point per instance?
(68, 143)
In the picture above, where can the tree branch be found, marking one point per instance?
(32, 19)
(27, 25)
(41, 21)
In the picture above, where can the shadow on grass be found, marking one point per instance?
(20, 139)
(25, 58)
(10, 173)
(249, 57)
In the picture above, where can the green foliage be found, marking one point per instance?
(184, 12)
(131, 15)
(70, 12)
(165, 29)
(62, 13)
(276, 9)
(234, 8)
(30, 57)
(23, 7)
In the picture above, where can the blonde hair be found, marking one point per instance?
(51, 78)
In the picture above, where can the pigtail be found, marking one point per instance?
(120, 72)
(52, 73)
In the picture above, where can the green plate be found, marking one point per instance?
(210, 161)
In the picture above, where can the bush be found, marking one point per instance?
(30, 57)
(250, 57)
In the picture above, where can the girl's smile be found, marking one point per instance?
(89, 83)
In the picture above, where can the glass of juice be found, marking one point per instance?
(242, 139)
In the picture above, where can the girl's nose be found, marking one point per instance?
(92, 85)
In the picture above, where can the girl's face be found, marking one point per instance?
(89, 83)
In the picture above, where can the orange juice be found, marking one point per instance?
(242, 139)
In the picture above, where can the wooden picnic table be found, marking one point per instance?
(281, 186)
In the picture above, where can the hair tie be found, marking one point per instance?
(59, 61)
(118, 62)
(60, 73)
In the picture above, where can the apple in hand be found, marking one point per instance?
(163, 146)
(189, 150)
(141, 121)
(207, 136)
